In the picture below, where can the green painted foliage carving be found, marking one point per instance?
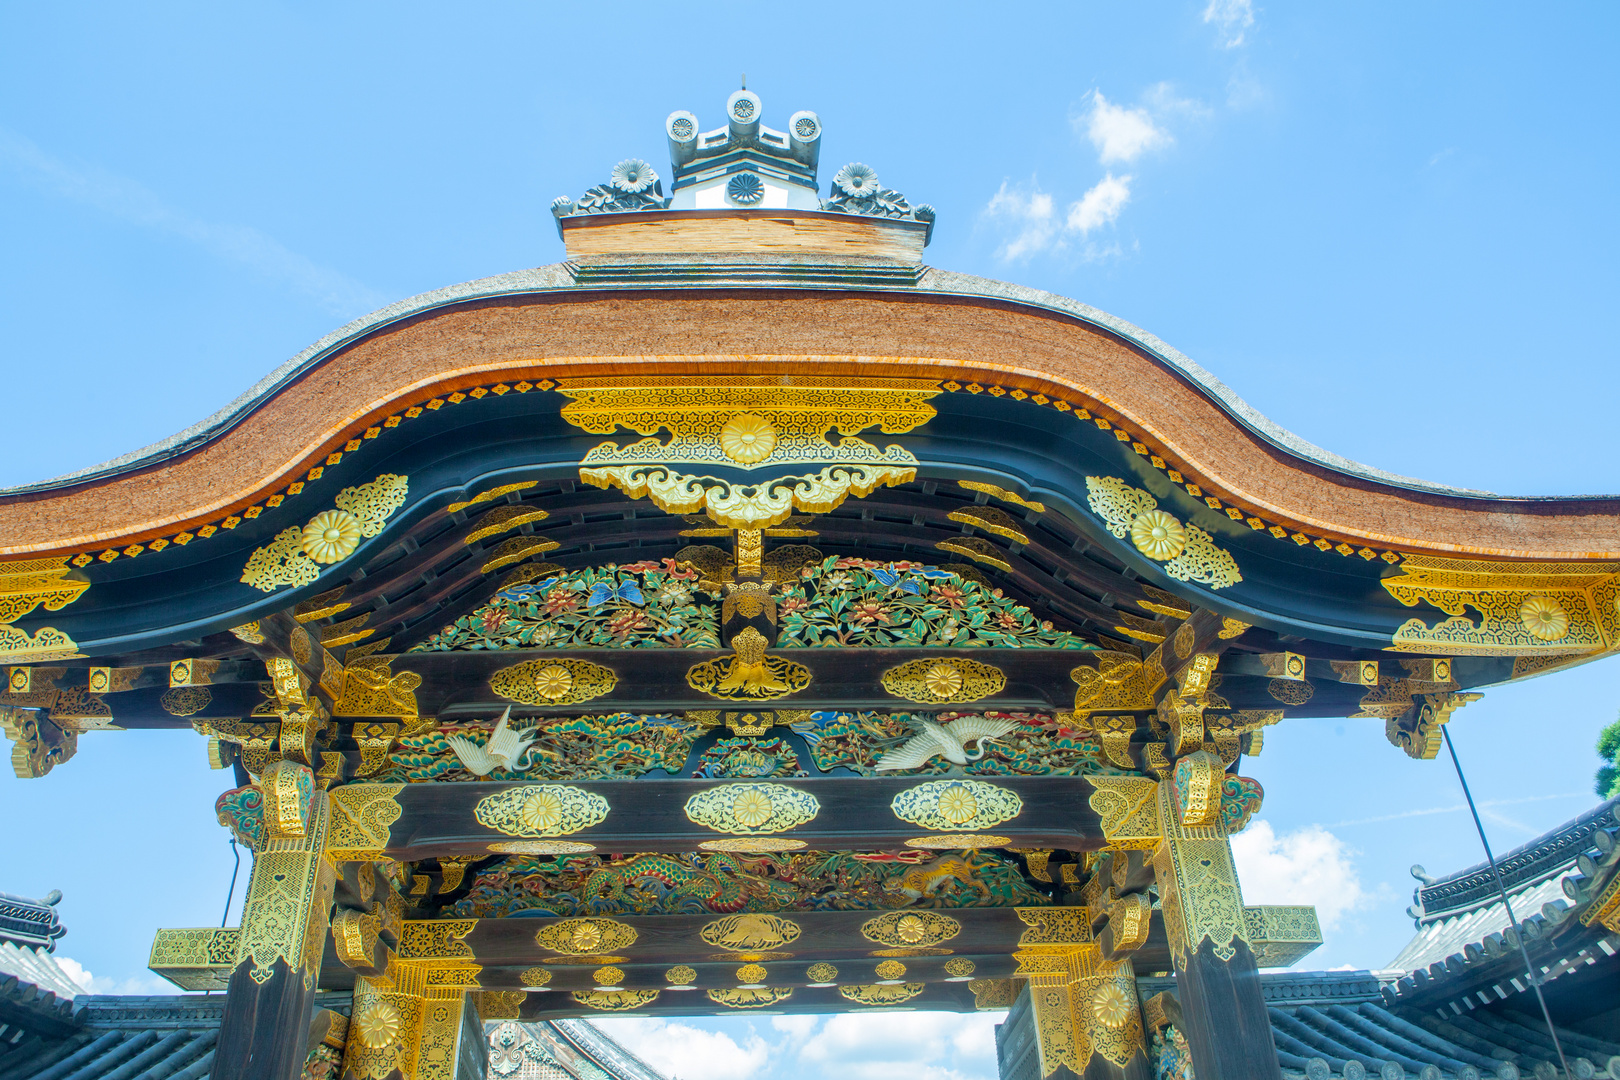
(857, 602)
(1041, 744)
(644, 605)
(575, 748)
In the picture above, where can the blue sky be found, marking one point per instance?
(1389, 227)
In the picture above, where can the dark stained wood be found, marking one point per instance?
(1224, 1016)
(854, 814)
(941, 997)
(264, 1028)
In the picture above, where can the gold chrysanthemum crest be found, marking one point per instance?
(1187, 552)
(541, 810)
(937, 682)
(585, 937)
(956, 804)
(910, 929)
(752, 809)
(561, 681)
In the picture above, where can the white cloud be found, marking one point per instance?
(1122, 134)
(1232, 17)
(1306, 866)
(129, 201)
(91, 983)
(797, 1027)
(684, 1052)
(1029, 215)
(1101, 205)
(915, 1038)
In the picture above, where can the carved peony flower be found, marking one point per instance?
(377, 1024)
(553, 681)
(943, 680)
(331, 535)
(747, 438)
(857, 181)
(541, 812)
(1544, 618)
(633, 176)
(751, 809)
(1158, 535)
(1110, 1005)
(957, 804)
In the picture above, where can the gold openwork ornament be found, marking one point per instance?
(821, 973)
(751, 808)
(541, 810)
(748, 674)
(540, 847)
(296, 554)
(958, 842)
(890, 970)
(751, 973)
(879, 994)
(610, 977)
(377, 1024)
(751, 997)
(583, 937)
(750, 933)
(615, 1000)
(1187, 552)
(747, 438)
(535, 976)
(943, 681)
(960, 968)
(1520, 609)
(553, 682)
(185, 700)
(956, 804)
(757, 506)
(910, 928)
(681, 976)
(753, 845)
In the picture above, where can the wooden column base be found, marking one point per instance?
(1224, 1016)
(264, 1031)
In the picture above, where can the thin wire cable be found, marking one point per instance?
(1518, 931)
(231, 894)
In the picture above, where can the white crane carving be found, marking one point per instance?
(503, 750)
(945, 740)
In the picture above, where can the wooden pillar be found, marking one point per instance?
(264, 1031)
(1224, 1015)
(1086, 1016)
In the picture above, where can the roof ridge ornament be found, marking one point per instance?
(743, 165)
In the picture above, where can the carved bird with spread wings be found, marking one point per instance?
(501, 752)
(945, 740)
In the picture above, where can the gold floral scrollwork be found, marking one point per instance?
(880, 994)
(498, 1004)
(436, 939)
(737, 506)
(748, 674)
(491, 495)
(1524, 608)
(751, 808)
(751, 998)
(553, 682)
(1129, 811)
(1001, 493)
(540, 810)
(370, 688)
(990, 520)
(681, 975)
(959, 968)
(284, 915)
(288, 789)
(541, 847)
(910, 929)
(1282, 936)
(1119, 682)
(1187, 552)
(585, 937)
(821, 973)
(1054, 926)
(195, 960)
(18, 646)
(186, 700)
(25, 584)
(615, 1000)
(293, 558)
(940, 682)
(994, 993)
(957, 804)
(750, 933)
(361, 817)
(1198, 887)
(1197, 784)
